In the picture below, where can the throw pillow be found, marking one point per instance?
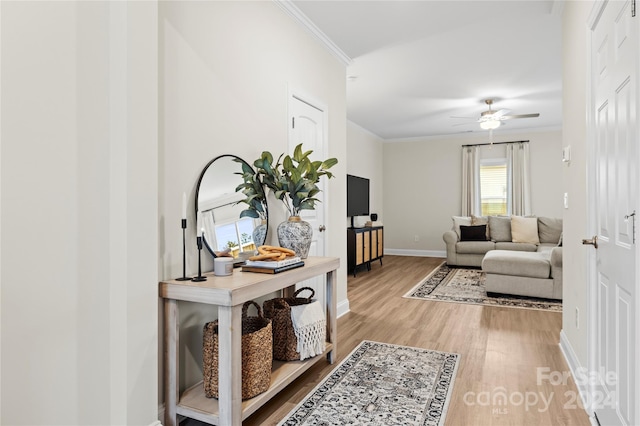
(500, 228)
(524, 230)
(549, 229)
(473, 233)
(460, 220)
(481, 220)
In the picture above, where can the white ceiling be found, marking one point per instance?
(418, 63)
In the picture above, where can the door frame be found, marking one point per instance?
(303, 96)
(591, 168)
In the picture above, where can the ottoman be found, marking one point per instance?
(520, 273)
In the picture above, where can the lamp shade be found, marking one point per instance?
(490, 124)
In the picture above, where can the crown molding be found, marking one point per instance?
(294, 12)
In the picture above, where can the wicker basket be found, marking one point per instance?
(256, 354)
(284, 338)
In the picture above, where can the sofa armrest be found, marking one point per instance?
(556, 257)
(450, 237)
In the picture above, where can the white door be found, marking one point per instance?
(307, 123)
(614, 52)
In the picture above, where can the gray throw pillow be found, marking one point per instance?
(500, 228)
(549, 230)
(460, 220)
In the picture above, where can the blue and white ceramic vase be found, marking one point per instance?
(295, 234)
(260, 234)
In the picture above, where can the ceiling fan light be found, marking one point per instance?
(490, 124)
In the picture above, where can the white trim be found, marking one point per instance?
(418, 253)
(367, 131)
(575, 366)
(294, 12)
(343, 308)
(156, 423)
(591, 323)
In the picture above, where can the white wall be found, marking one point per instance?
(225, 71)
(422, 186)
(364, 154)
(79, 213)
(575, 69)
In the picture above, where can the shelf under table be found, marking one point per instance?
(194, 404)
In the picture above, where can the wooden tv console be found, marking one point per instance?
(364, 245)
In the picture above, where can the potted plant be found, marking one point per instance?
(255, 200)
(293, 180)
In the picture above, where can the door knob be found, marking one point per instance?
(322, 228)
(592, 241)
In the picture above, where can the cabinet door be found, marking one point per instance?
(380, 245)
(359, 248)
(374, 244)
(366, 239)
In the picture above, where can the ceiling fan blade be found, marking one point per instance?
(466, 118)
(509, 117)
(464, 124)
(500, 113)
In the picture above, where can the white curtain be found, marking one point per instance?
(470, 180)
(518, 182)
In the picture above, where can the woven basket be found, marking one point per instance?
(284, 337)
(256, 354)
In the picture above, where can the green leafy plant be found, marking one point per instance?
(253, 190)
(293, 179)
(232, 244)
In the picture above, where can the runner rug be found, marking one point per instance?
(381, 384)
(463, 285)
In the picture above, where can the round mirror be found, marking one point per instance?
(219, 208)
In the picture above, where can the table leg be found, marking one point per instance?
(332, 323)
(230, 365)
(171, 341)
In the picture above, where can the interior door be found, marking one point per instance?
(307, 126)
(614, 52)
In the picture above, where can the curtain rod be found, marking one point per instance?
(494, 143)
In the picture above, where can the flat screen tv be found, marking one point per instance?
(357, 196)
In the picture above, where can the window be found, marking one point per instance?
(493, 187)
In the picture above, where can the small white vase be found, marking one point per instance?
(295, 234)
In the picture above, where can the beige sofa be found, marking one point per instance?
(514, 263)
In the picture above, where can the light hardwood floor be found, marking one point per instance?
(502, 350)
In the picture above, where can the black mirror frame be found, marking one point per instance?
(204, 170)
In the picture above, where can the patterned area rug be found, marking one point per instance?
(463, 285)
(381, 384)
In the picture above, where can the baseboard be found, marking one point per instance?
(343, 308)
(156, 423)
(417, 253)
(577, 370)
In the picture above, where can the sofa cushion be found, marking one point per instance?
(460, 220)
(481, 220)
(473, 233)
(517, 263)
(524, 230)
(474, 247)
(500, 228)
(507, 245)
(549, 230)
(545, 247)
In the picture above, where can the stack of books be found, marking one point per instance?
(272, 266)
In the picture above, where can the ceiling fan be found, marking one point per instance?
(490, 119)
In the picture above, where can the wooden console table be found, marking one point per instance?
(229, 294)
